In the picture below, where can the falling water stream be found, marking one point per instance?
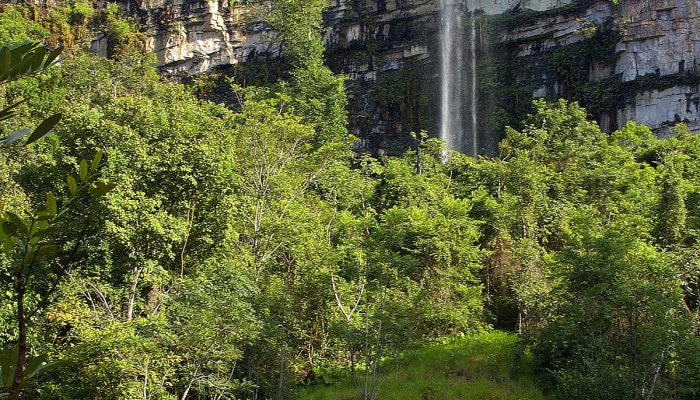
(472, 89)
(458, 80)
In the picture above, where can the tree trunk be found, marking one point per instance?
(352, 364)
(14, 390)
(132, 294)
(280, 382)
(419, 160)
(252, 377)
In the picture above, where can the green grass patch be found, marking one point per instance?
(484, 366)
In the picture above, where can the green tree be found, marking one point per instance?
(612, 334)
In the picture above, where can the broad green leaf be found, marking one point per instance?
(102, 189)
(8, 245)
(9, 228)
(40, 253)
(44, 128)
(4, 61)
(83, 170)
(42, 224)
(72, 185)
(3, 239)
(53, 54)
(33, 363)
(17, 221)
(38, 58)
(17, 57)
(96, 161)
(40, 364)
(21, 68)
(23, 47)
(42, 233)
(8, 361)
(51, 206)
(15, 136)
(8, 111)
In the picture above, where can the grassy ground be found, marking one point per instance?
(483, 367)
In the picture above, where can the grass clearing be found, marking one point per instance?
(483, 367)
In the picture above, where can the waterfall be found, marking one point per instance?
(473, 88)
(458, 80)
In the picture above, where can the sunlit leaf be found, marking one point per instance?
(83, 170)
(51, 206)
(72, 185)
(15, 136)
(96, 161)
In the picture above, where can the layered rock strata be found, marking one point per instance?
(646, 68)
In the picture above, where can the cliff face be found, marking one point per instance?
(190, 36)
(661, 39)
(650, 73)
(634, 61)
(388, 50)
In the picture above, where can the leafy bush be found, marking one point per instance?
(14, 27)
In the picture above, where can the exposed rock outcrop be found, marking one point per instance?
(646, 68)
(196, 36)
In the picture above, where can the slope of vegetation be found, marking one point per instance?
(475, 367)
(160, 246)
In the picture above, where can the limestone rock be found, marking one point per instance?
(195, 36)
(379, 42)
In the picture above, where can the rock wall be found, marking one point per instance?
(646, 68)
(388, 49)
(661, 41)
(653, 70)
(196, 36)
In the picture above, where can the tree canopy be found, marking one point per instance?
(167, 247)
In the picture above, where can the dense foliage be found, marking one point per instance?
(246, 252)
(593, 252)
